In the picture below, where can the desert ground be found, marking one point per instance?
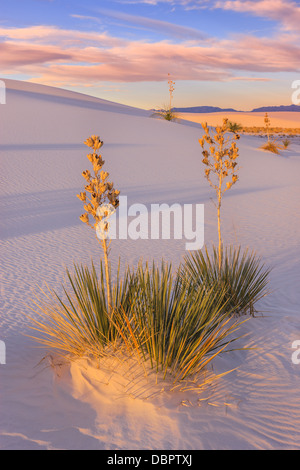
(284, 119)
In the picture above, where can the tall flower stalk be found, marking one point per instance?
(100, 203)
(171, 89)
(220, 166)
(268, 123)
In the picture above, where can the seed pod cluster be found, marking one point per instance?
(220, 159)
(98, 191)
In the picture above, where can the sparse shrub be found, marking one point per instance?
(166, 114)
(271, 147)
(286, 143)
(234, 127)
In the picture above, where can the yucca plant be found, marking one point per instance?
(243, 278)
(270, 145)
(80, 322)
(157, 317)
(286, 143)
(268, 124)
(234, 127)
(240, 273)
(166, 112)
(174, 327)
(171, 84)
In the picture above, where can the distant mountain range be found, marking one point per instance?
(215, 109)
(265, 109)
(203, 109)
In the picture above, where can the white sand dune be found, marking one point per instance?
(51, 405)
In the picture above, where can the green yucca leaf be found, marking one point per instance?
(243, 275)
(158, 317)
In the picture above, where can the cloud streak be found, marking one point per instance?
(145, 23)
(285, 12)
(57, 56)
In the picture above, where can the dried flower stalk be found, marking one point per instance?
(171, 89)
(220, 165)
(268, 123)
(100, 201)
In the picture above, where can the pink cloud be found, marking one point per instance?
(51, 34)
(286, 12)
(87, 57)
(15, 55)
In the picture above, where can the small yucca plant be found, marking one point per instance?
(286, 143)
(166, 112)
(270, 145)
(234, 127)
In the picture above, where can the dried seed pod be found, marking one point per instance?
(88, 207)
(90, 187)
(97, 165)
(86, 174)
(95, 200)
(82, 196)
(91, 157)
(104, 175)
(84, 218)
(89, 142)
(97, 143)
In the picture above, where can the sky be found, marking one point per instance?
(240, 54)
